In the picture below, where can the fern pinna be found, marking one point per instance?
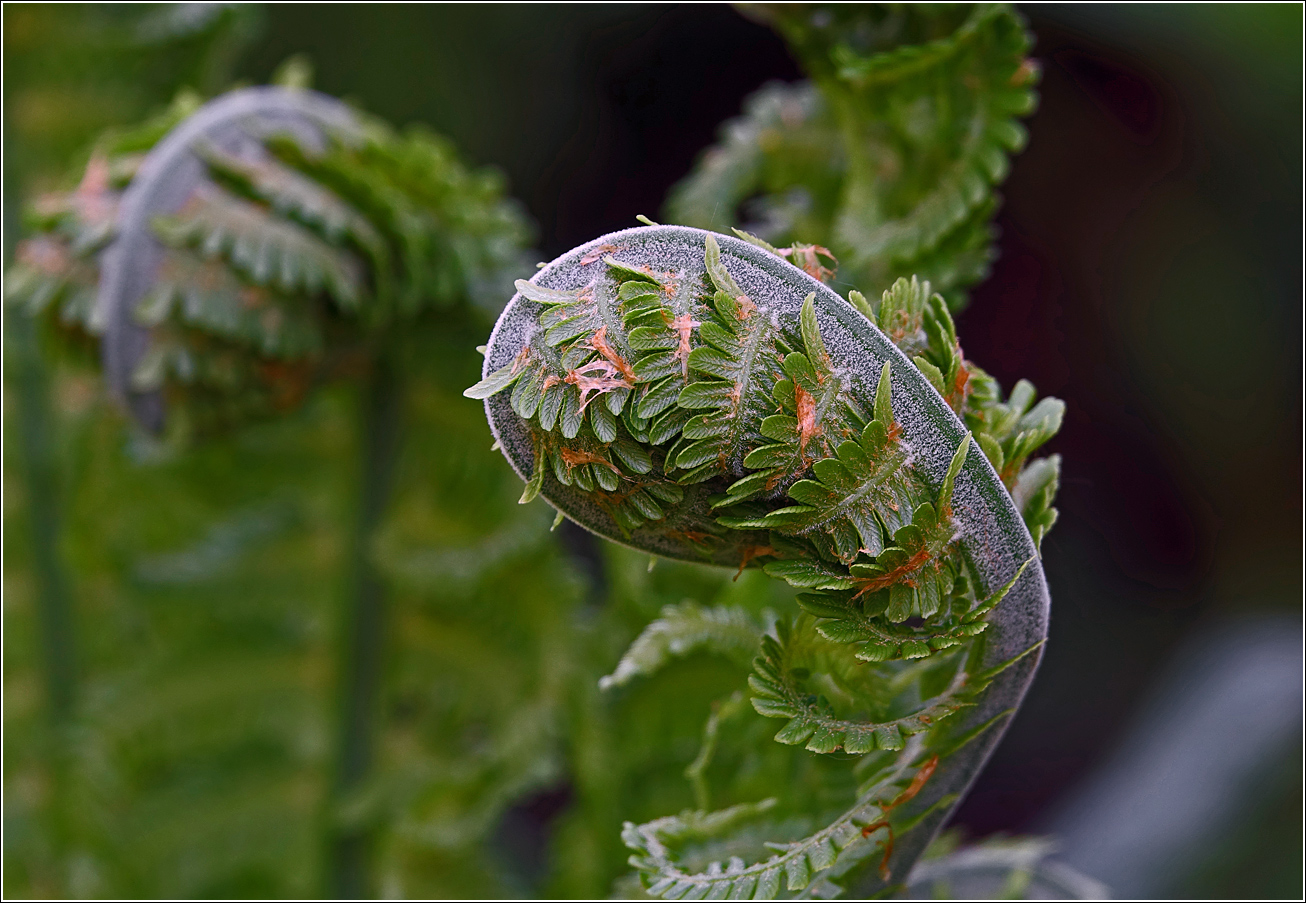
(698, 396)
(888, 155)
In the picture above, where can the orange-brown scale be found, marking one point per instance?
(591, 385)
(960, 389)
(805, 258)
(599, 342)
(574, 457)
(751, 552)
(808, 428)
(693, 537)
(598, 254)
(917, 782)
(684, 326)
(901, 573)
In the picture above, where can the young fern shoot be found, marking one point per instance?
(698, 396)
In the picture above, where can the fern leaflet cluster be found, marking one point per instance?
(889, 155)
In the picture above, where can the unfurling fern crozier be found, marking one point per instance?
(697, 396)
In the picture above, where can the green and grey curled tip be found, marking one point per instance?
(698, 396)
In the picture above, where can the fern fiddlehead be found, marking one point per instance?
(698, 396)
(229, 257)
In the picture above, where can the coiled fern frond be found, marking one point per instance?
(699, 396)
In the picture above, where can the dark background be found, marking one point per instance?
(1149, 275)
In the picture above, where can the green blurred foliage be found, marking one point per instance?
(207, 585)
(72, 70)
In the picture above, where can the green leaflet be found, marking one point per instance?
(266, 251)
(849, 618)
(294, 195)
(683, 629)
(1014, 429)
(1033, 493)
(734, 371)
(856, 499)
(205, 295)
(780, 692)
(449, 236)
(817, 410)
(889, 156)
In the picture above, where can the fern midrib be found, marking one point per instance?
(797, 699)
(860, 809)
(933, 54)
(853, 502)
(738, 429)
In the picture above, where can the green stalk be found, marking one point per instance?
(54, 609)
(362, 630)
(53, 600)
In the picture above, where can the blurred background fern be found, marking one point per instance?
(172, 616)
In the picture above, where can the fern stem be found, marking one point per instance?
(54, 608)
(362, 633)
(53, 601)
